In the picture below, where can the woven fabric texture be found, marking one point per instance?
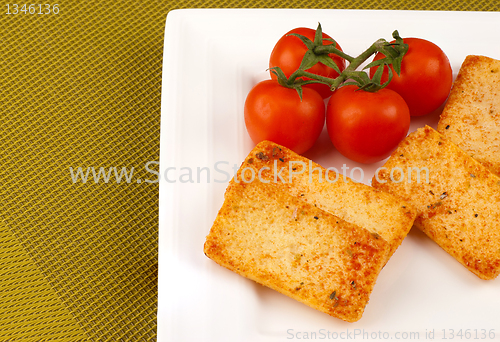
(82, 88)
(30, 310)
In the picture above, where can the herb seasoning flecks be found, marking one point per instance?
(275, 151)
(261, 156)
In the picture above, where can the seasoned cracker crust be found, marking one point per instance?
(321, 243)
(471, 117)
(295, 248)
(379, 212)
(460, 206)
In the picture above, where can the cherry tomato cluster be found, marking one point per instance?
(367, 113)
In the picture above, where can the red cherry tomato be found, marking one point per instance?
(276, 113)
(366, 127)
(426, 76)
(289, 51)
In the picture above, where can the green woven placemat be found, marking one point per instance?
(82, 88)
(30, 310)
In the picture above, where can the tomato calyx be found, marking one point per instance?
(394, 53)
(294, 83)
(319, 53)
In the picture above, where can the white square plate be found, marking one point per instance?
(212, 58)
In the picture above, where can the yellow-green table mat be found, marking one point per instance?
(82, 88)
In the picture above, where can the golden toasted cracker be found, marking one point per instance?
(471, 117)
(296, 248)
(307, 232)
(379, 212)
(458, 207)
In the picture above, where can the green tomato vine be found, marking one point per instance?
(318, 52)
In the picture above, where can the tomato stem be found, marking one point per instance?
(327, 49)
(334, 83)
(355, 63)
(394, 53)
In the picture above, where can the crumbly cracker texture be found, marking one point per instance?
(296, 248)
(379, 212)
(459, 206)
(471, 116)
